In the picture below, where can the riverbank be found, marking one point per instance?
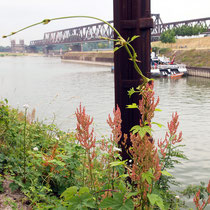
(2, 54)
(193, 58)
(194, 52)
(104, 58)
(202, 43)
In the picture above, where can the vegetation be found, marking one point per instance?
(5, 49)
(196, 58)
(58, 170)
(186, 30)
(169, 36)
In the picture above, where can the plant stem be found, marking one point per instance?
(24, 149)
(90, 171)
(83, 172)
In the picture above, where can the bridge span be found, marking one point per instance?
(94, 32)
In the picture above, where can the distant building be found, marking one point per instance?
(20, 48)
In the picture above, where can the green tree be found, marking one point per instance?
(168, 37)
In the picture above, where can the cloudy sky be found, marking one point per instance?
(16, 14)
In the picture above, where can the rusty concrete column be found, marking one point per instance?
(131, 17)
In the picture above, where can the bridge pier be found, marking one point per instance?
(47, 48)
(77, 47)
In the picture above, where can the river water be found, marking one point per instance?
(55, 89)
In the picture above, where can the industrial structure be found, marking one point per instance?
(20, 48)
(93, 33)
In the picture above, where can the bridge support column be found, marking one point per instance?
(47, 48)
(77, 47)
(131, 18)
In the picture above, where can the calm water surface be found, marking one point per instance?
(56, 89)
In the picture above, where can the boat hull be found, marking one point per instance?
(168, 70)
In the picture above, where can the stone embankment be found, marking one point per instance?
(198, 72)
(104, 58)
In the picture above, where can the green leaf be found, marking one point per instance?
(90, 203)
(57, 162)
(158, 110)
(160, 204)
(84, 190)
(124, 176)
(106, 203)
(132, 106)
(118, 196)
(141, 130)
(131, 92)
(85, 196)
(69, 193)
(116, 48)
(128, 205)
(135, 129)
(148, 176)
(118, 163)
(158, 124)
(165, 173)
(129, 195)
(144, 130)
(134, 37)
(117, 203)
(156, 199)
(122, 186)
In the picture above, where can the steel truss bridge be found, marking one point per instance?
(94, 32)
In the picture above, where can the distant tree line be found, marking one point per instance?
(169, 36)
(5, 49)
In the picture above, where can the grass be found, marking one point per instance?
(192, 52)
(198, 58)
(186, 44)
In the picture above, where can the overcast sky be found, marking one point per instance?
(16, 14)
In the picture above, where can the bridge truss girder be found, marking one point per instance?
(94, 32)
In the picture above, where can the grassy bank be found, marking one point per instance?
(186, 44)
(2, 54)
(196, 58)
(192, 52)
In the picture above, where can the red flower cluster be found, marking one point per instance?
(83, 134)
(197, 199)
(172, 126)
(147, 104)
(208, 190)
(115, 125)
(171, 136)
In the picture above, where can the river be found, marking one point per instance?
(55, 89)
